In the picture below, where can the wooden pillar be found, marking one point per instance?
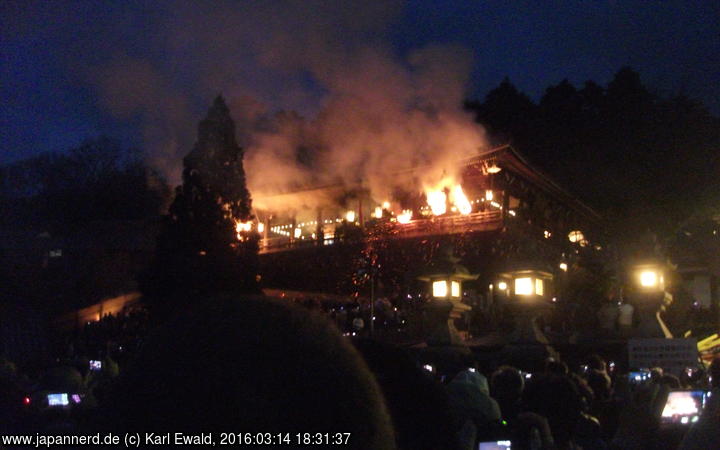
(319, 227)
(505, 205)
(715, 299)
(264, 243)
(292, 229)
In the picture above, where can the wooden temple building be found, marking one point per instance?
(518, 218)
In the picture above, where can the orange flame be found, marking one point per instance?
(437, 200)
(460, 200)
(405, 216)
(242, 227)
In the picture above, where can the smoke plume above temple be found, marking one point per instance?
(318, 99)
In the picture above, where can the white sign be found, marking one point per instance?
(673, 355)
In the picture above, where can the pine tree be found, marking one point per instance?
(201, 249)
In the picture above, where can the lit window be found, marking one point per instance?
(439, 288)
(455, 289)
(539, 287)
(523, 286)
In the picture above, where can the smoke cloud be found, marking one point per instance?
(319, 94)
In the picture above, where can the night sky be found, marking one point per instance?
(73, 70)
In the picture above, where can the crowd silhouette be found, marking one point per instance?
(257, 365)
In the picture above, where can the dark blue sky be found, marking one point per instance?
(64, 77)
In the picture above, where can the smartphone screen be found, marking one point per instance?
(57, 400)
(638, 377)
(683, 407)
(494, 445)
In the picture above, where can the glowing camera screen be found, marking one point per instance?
(57, 400)
(683, 407)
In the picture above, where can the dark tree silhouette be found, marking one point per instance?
(98, 180)
(199, 250)
(508, 114)
(643, 160)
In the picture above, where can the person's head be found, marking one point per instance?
(62, 379)
(555, 367)
(656, 373)
(596, 362)
(7, 369)
(670, 380)
(715, 372)
(413, 398)
(507, 383)
(251, 364)
(600, 384)
(474, 378)
(583, 387)
(557, 398)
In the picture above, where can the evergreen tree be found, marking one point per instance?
(200, 249)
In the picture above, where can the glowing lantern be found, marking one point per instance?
(526, 283)
(261, 227)
(386, 205)
(455, 288)
(650, 277)
(488, 195)
(378, 212)
(523, 286)
(576, 236)
(297, 233)
(460, 200)
(439, 289)
(563, 266)
(350, 216)
(437, 200)
(445, 277)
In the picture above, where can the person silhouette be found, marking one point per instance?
(251, 365)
